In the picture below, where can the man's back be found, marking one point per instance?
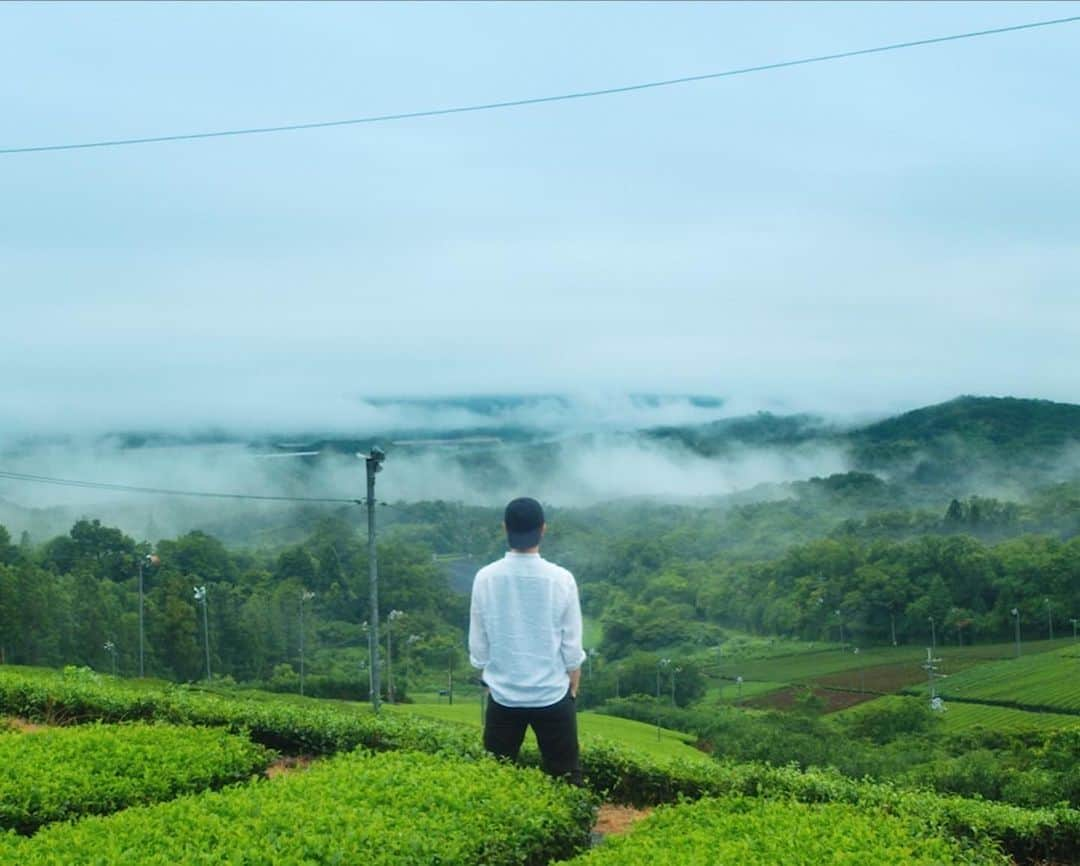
(525, 629)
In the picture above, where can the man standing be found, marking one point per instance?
(525, 635)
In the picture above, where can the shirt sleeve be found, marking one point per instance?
(572, 652)
(479, 649)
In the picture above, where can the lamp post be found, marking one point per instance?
(674, 671)
(200, 596)
(1016, 615)
(409, 641)
(305, 595)
(149, 559)
(367, 633)
(933, 637)
(1049, 618)
(393, 616)
(660, 663)
(110, 648)
(840, 617)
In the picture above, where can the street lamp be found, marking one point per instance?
(673, 672)
(841, 618)
(370, 668)
(661, 663)
(1016, 615)
(149, 559)
(305, 595)
(409, 641)
(933, 636)
(392, 617)
(200, 596)
(1049, 618)
(110, 648)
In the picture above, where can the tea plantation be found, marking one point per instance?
(398, 788)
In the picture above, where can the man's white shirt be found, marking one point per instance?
(525, 629)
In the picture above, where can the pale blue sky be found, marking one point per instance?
(869, 234)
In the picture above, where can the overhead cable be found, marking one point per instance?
(537, 100)
(160, 491)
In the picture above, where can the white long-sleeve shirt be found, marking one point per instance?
(525, 629)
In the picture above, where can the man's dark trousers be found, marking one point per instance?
(555, 727)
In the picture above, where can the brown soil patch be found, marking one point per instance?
(785, 699)
(879, 678)
(613, 820)
(288, 764)
(24, 726)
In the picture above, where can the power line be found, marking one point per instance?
(537, 100)
(160, 491)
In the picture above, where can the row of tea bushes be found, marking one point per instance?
(78, 696)
(756, 832)
(617, 773)
(62, 773)
(401, 808)
(1027, 834)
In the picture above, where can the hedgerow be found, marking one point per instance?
(747, 832)
(402, 808)
(1026, 834)
(617, 773)
(62, 773)
(77, 696)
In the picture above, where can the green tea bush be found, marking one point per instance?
(63, 773)
(617, 773)
(403, 808)
(1028, 834)
(74, 697)
(768, 832)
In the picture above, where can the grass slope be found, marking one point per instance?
(642, 737)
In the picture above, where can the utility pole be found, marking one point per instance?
(149, 559)
(200, 596)
(373, 462)
(1049, 618)
(1016, 615)
(933, 637)
(305, 595)
(450, 677)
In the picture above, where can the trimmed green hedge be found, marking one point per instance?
(1027, 834)
(77, 696)
(63, 773)
(403, 808)
(617, 773)
(769, 832)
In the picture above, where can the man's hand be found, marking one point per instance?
(575, 682)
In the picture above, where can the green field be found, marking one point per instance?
(1050, 680)
(808, 666)
(670, 744)
(958, 717)
(961, 717)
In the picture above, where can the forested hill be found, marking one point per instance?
(997, 437)
(997, 427)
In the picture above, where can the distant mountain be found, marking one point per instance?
(970, 431)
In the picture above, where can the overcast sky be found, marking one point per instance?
(873, 233)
